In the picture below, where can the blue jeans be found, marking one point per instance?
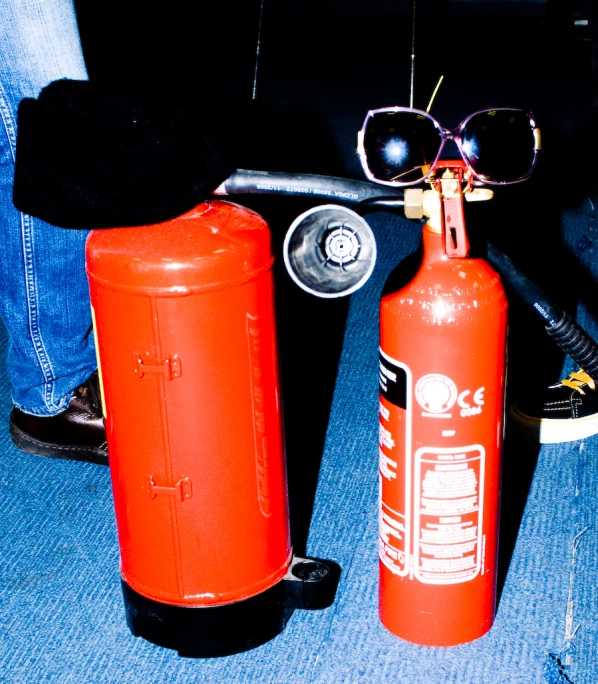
(44, 296)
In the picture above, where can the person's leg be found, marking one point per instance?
(44, 298)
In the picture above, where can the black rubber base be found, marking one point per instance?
(209, 632)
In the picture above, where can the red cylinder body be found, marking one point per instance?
(187, 350)
(442, 377)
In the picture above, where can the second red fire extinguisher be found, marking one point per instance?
(442, 380)
(185, 324)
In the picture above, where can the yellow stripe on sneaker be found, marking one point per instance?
(579, 379)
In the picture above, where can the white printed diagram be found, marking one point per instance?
(392, 540)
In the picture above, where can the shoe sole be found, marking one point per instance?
(65, 452)
(551, 431)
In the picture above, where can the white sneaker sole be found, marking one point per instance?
(552, 431)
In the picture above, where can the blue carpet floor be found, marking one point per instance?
(61, 612)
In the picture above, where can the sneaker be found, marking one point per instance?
(562, 413)
(75, 434)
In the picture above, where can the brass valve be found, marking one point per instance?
(420, 203)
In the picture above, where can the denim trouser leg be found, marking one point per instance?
(44, 297)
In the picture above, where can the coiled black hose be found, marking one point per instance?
(559, 325)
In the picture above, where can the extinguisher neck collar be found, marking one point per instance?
(432, 244)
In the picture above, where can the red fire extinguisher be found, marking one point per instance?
(186, 338)
(442, 384)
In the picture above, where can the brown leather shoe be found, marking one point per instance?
(76, 434)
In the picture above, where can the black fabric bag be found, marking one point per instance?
(90, 156)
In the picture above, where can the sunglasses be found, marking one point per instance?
(401, 146)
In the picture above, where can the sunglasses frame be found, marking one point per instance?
(445, 135)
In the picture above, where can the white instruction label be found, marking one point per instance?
(448, 507)
(392, 540)
(395, 465)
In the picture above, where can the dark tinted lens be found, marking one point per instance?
(400, 146)
(499, 145)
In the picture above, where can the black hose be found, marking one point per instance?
(246, 182)
(559, 325)
(380, 203)
(525, 288)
